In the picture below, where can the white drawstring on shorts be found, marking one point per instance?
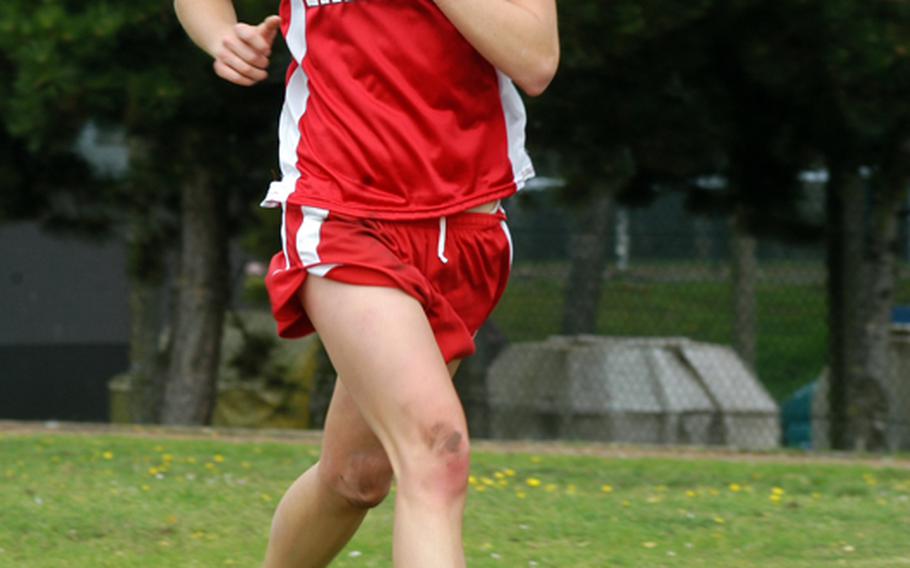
(441, 245)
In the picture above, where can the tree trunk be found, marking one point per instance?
(149, 252)
(869, 401)
(587, 254)
(202, 296)
(744, 271)
(147, 358)
(846, 215)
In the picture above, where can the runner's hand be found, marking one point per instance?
(242, 55)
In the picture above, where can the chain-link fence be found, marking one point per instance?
(694, 336)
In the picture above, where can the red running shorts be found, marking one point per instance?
(456, 267)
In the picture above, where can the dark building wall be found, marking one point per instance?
(64, 324)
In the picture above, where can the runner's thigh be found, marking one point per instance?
(346, 434)
(386, 355)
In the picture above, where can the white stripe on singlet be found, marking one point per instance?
(295, 104)
(514, 112)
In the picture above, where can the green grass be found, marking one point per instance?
(99, 501)
(692, 301)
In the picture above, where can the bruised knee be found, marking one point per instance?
(444, 472)
(363, 480)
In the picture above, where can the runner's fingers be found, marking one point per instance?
(233, 61)
(254, 39)
(229, 74)
(269, 28)
(245, 51)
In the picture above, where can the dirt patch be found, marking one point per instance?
(609, 451)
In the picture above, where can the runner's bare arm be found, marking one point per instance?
(519, 37)
(241, 51)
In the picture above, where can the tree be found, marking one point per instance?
(614, 111)
(759, 91)
(202, 155)
(852, 81)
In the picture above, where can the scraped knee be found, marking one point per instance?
(363, 480)
(442, 468)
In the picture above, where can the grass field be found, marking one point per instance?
(108, 501)
(692, 301)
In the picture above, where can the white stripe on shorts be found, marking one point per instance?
(308, 236)
(284, 235)
(505, 229)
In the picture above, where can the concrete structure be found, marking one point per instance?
(631, 390)
(888, 426)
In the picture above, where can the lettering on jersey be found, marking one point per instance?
(318, 3)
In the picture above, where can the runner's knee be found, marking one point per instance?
(361, 479)
(439, 469)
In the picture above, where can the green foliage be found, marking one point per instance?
(617, 100)
(127, 66)
(652, 94)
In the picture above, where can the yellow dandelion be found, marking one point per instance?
(551, 488)
(487, 481)
(154, 471)
(775, 498)
(870, 480)
(209, 466)
(735, 487)
(198, 535)
(503, 483)
(521, 494)
(472, 479)
(691, 493)
(509, 472)
(265, 497)
(533, 482)
(777, 491)
(499, 475)
(481, 488)
(146, 487)
(167, 458)
(606, 488)
(719, 520)
(218, 458)
(816, 495)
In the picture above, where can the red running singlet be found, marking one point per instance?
(390, 113)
